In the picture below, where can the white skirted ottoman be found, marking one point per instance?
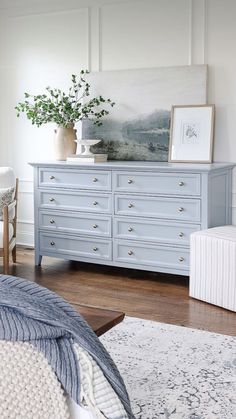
(213, 266)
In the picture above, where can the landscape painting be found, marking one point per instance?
(138, 126)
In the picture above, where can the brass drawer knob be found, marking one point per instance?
(51, 199)
(52, 221)
(52, 177)
(52, 243)
(130, 205)
(180, 209)
(95, 249)
(95, 203)
(181, 259)
(130, 229)
(95, 179)
(95, 226)
(130, 253)
(181, 234)
(130, 181)
(181, 183)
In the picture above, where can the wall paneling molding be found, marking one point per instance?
(205, 32)
(94, 39)
(190, 51)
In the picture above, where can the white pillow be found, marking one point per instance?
(6, 197)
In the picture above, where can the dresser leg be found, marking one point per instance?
(38, 259)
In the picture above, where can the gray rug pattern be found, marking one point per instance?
(174, 372)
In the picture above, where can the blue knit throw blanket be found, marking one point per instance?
(31, 313)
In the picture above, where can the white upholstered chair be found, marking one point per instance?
(9, 218)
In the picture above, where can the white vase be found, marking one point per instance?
(64, 141)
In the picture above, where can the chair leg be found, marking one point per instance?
(5, 240)
(6, 262)
(14, 254)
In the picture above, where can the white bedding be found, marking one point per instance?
(77, 412)
(30, 389)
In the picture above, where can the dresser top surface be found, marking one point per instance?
(138, 165)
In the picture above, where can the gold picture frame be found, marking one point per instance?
(191, 133)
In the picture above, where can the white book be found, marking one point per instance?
(80, 159)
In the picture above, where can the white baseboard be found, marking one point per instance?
(25, 234)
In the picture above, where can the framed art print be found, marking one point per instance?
(191, 135)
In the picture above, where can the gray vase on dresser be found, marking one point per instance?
(128, 214)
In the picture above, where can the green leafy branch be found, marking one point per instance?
(63, 109)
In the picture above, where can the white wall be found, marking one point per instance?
(43, 42)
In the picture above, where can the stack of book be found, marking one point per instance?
(93, 158)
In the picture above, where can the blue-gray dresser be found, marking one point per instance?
(128, 214)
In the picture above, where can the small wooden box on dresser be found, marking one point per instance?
(129, 214)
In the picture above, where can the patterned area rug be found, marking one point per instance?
(175, 372)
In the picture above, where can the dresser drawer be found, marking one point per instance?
(90, 202)
(75, 179)
(153, 231)
(75, 246)
(159, 207)
(75, 223)
(158, 183)
(151, 255)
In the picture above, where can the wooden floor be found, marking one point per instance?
(153, 296)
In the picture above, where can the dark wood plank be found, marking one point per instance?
(100, 320)
(153, 296)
